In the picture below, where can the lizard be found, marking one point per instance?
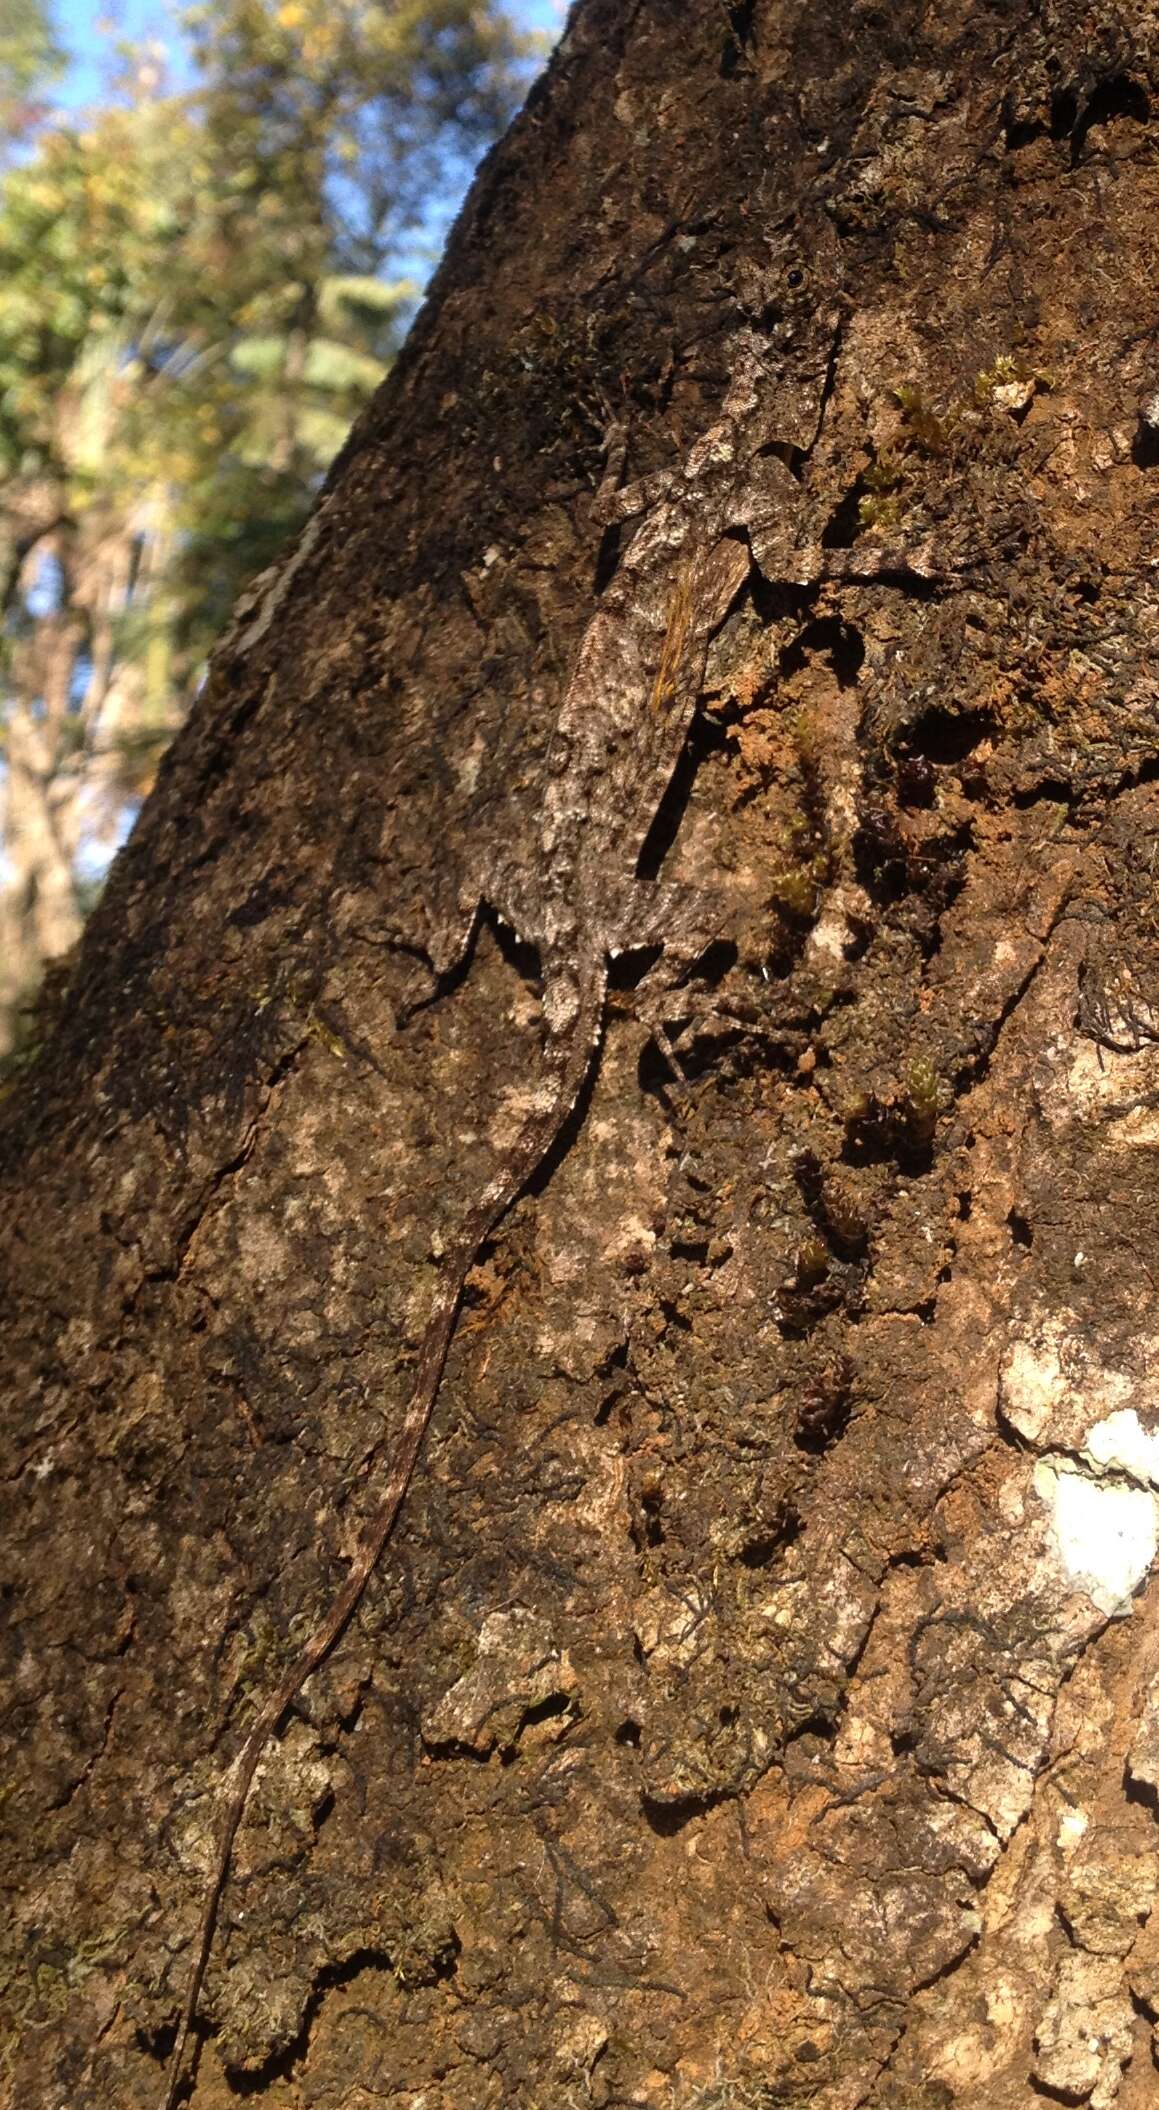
(621, 730)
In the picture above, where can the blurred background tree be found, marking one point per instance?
(30, 58)
(199, 288)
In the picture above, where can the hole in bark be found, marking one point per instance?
(647, 1530)
(809, 1173)
(673, 1317)
(1064, 110)
(879, 1137)
(158, 2044)
(1118, 97)
(629, 1733)
(1019, 133)
(1144, 2008)
(857, 945)
(816, 1728)
(1145, 447)
(452, 1747)
(965, 1208)
(1021, 1231)
(823, 1416)
(1056, 789)
(947, 736)
(764, 1547)
(1140, 1792)
(916, 780)
(717, 960)
(842, 641)
(653, 1528)
(879, 857)
(668, 1818)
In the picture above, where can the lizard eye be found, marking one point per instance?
(795, 277)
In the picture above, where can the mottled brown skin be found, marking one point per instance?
(726, 1725)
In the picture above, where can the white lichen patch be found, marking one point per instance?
(1120, 1443)
(1061, 1397)
(259, 604)
(971, 2058)
(1104, 1533)
(1109, 1890)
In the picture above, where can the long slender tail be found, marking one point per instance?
(535, 1141)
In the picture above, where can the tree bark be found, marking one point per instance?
(759, 1700)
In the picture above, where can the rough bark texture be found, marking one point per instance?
(760, 1700)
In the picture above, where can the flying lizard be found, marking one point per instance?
(579, 899)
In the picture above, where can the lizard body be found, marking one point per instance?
(621, 731)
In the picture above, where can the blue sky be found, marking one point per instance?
(88, 34)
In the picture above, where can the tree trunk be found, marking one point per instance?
(758, 1701)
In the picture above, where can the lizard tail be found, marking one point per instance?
(535, 1140)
